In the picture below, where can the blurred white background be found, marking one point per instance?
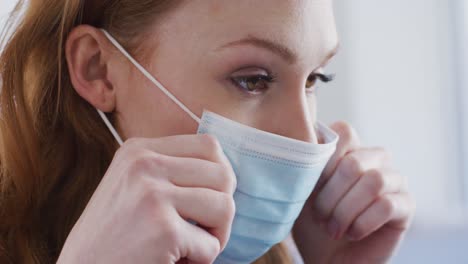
(402, 81)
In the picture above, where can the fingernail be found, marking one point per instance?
(333, 228)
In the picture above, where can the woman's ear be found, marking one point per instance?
(87, 54)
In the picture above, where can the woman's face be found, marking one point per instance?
(250, 61)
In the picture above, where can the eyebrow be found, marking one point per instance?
(277, 48)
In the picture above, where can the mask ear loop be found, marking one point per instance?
(151, 78)
(110, 127)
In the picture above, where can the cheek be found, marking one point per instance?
(312, 102)
(312, 105)
(145, 111)
(199, 88)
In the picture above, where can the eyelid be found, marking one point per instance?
(250, 71)
(325, 77)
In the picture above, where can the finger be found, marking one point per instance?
(199, 246)
(211, 209)
(372, 185)
(205, 147)
(191, 172)
(349, 170)
(348, 141)
(393, 210)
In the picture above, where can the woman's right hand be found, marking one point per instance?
(141, 210)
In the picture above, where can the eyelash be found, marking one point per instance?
(268, 79)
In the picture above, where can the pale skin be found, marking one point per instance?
(164, 174)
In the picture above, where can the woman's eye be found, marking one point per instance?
(253, 84)
(313, 78)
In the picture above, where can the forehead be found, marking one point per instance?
(305, 26)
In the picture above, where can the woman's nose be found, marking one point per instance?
(294, 117)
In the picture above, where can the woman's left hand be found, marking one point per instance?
(359, 210)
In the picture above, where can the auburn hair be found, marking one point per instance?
(54, 149)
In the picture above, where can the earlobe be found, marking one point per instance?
(88, 67)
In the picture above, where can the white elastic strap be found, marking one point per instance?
(150, 77)
(111, 128)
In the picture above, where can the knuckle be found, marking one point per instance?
(374, 182)
(160, 216)
(353, 163)
(133, 162)
(147, 161)
(153, 195)
(211, 252)
(352, 166)
(127, 150)
(229, 207)
(386, 206)
(211, 143)
(359, 228)
(345, 131)
(133, 142)
(171, 234)
(215, 249)
(229, 179)
(151, 189)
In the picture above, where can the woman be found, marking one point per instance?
(71, 194)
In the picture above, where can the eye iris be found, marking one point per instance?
(311, 81)
(255, 84)
(252, 85)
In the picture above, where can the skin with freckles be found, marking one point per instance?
(256, 62)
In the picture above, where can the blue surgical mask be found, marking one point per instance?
(275, 176)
